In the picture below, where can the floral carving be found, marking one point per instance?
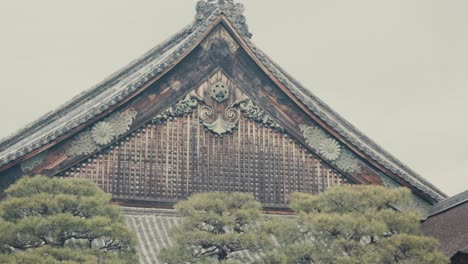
(330, 149)
(256, 114)
(103, 133)
(216, 121)
(31, 163)
(121, 121)
(186, 106)
(83, 144)
(313, 136)
(348, 163)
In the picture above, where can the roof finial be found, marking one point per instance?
(235, 13)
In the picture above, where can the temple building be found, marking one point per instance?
(204, 111)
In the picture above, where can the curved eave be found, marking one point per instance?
(99, 101)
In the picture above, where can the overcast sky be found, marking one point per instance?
(396, 69)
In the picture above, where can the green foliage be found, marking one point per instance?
(50, 255)
(215, 227)
(352, 225)
(62, 220)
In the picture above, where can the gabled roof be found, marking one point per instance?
(124, 83)
(447, 221)
(449, 203)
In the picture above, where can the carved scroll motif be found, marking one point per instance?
(186, 106)
(222, 124)
(219, 110)
(254, 113)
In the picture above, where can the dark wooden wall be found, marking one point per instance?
(171, 160)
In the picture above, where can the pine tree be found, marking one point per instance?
(353, 225)
(52, 220)
(215, 227)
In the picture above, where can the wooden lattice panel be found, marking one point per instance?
(173, 159)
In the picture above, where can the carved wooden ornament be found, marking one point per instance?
(220, 103)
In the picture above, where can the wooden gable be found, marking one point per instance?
(208, 142)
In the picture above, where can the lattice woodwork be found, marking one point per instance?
(177, 157)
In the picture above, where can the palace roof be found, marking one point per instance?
(120, 86)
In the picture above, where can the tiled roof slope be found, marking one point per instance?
(86, 105)
(448, 222)
(449, 203)
(347, 130)
(117, 87)
(152, 229)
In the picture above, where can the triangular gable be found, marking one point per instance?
(138, 77)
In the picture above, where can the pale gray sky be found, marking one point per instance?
(397, 69)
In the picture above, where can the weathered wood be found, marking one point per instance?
(220, 160)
